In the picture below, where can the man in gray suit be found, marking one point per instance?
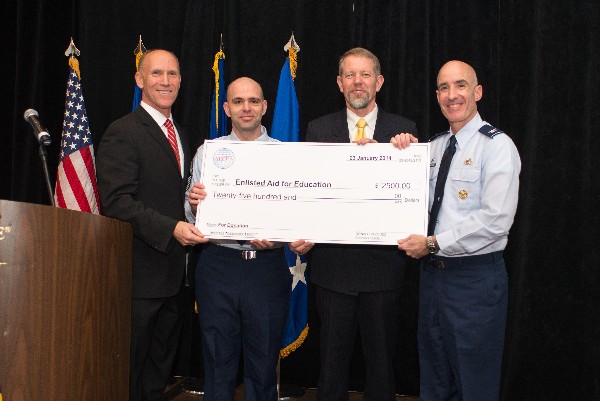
(358, 287)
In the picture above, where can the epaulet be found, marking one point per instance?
(490, 131)
(438, 135)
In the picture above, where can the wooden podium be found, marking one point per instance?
(65, 304)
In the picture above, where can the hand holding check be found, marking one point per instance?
(198, 193)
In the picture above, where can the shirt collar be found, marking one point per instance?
(370, 118)
(263, 135)
(466, 133)
(155, 114)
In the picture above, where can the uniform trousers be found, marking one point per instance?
(155, 329)
(242, 307)
(376, 316)
(462, 319)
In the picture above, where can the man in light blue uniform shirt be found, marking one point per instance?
(242, 287)
(464, 285)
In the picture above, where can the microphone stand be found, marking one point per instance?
(43, 153)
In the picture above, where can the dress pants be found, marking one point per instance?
(462, 318)
(155, 328)
(376, 315)
(242, 306)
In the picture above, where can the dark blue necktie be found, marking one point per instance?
(441, 183)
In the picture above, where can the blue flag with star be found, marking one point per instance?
(286, 128)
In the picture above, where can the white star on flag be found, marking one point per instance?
(297, 272)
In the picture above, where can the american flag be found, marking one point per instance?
(76, 177)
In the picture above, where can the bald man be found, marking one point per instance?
(242, 289)
(142, 167)
(474, 186)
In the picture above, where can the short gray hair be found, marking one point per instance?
(360, 52)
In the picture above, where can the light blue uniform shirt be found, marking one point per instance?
(195, 177)
(481, 192)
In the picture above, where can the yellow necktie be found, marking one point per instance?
(360, 134)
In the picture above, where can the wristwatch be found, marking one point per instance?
(432, 247)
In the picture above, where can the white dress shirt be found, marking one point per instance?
(370, 118)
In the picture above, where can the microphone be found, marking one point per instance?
(42, 135)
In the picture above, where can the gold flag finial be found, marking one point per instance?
(293, 49)
(71, 52)
(138, 51)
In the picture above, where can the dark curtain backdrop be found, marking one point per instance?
(538, 62)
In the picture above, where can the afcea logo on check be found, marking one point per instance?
(223, 158)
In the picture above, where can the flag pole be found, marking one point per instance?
(139, 50)
(218, 118)
(285, 127)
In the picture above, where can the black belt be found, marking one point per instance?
(443, 262)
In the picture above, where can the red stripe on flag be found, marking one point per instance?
(58, 194)
(75, 184)
(88, 159)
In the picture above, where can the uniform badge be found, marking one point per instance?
(462, 194)
(468, 162)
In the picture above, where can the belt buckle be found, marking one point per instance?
(248, 255)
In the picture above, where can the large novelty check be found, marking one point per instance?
(321, 192)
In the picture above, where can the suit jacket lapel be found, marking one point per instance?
(340, 131)
(157, 134)
(381, 131)
(186, 150)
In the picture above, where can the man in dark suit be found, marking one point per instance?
(142, 168)
(358, 286)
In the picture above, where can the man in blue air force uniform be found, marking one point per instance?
(464, 284)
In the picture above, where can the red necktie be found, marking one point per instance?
(173, 139)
